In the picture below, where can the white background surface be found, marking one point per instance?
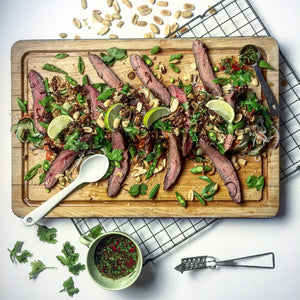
(36, 19)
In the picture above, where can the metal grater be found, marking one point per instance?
(204, 262)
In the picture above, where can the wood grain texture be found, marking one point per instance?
(92, 200)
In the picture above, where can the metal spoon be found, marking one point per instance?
(271, 100)
(91, 170)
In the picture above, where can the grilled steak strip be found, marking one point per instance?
(91, 96)
(148, 79)
(62, 162)
(178, 93)
(38, 93)
(187, 143)
(175, 162)
(118, 175)
(105, 72)
(205, 70)
(231, 99)
(225, 169)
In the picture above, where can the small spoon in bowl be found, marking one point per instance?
(91, 170)
(250, 56)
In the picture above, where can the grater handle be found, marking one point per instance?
(235, 262)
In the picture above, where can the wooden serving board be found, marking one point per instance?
(92, 200)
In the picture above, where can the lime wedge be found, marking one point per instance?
(224, 109)
(111, 114)
(57, 125)
(154, 114)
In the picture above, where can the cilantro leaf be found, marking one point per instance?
(113, 54)
(37, 267)
(77, 146)
(125, 89)
(96, 231)
(255, 182)
(69, 287)
(70, 259)
(135, 190)
(17, 248)
(160, 125)
(131, 130)
(144, 188)
(106, 94)
(22, 258)
(46, 234)
(115, 155)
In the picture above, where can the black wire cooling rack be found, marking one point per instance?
(227, 18)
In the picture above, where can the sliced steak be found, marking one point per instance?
(105, 73)
(225, 169)
(62, 162)
(205, 69)
(38, 93)
(91, 96)
(118, 175)
(175, 162)
(149, 80)
(187, 144)
(178, 93)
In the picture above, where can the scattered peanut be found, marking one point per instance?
(134, 19)
(191, 195)
(141, 23)
(183, 30)
(83, 4)
(77, 37)
(165, 12)
(154, 28)
(96, 16)
(212, 11)
(145, 11)
(63, 35)
(174, 105)
(158, 20)
(167, 29)
(116, 16)
(127, 3)
(177, 14)
(120, 24)
(188, 6)
(193, 66)
(242, 161)
(77, 23)
(174, 27)
(103, 30)
(116, 6)
(110, 3)
(152, 1)
(142, 7)
(113, 36)
(116, 123)
(162, 3)
(187, 14)
(106, 23)
(108, 17)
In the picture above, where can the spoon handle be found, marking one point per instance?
(271, 100)
(38, 213)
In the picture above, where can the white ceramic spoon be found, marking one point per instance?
(91, 170)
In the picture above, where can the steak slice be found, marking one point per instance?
(178, 93)
(225, 169)
(205, 69)
(38, 93)
(62, 162)
(105, 73)
(149, 80)
(118, 175)
(91, 96)
(175, 162)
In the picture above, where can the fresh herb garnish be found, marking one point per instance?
(22, 105)
(125, 89)
(85, 80)
(71, 80)
(131, 130)
(69, 287)
(113, 54)
(70, 259)
(116, 155)
(106, 94)
(255, 182)
(22, 257)
(95, 231)
(46, 234)
(37, 267)
(187, 87)
(138, 189)
(264, 65)
(160, 125)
